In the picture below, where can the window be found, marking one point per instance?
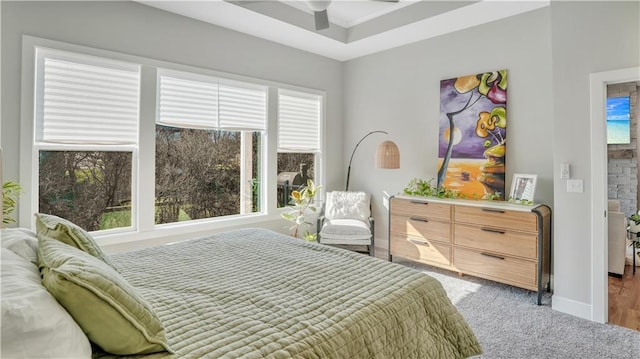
(298, 141)
(86, 136)
(618, 120)
(208, 146)
(126, 146)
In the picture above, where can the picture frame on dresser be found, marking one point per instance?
(523, 187)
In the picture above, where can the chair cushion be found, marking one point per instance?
(353, 205)
(345, 229)
(614, 205)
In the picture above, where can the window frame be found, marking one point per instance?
(317, 152)
(143, 223)
(37, 145)
(215, 121)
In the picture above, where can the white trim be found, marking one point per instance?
(598, 178)
(186, 230)
(572, 307)
(145, 210)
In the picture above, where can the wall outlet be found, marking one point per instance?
(575, 185)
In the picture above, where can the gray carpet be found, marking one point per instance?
(509, 324)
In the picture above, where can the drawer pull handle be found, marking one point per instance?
(492, 255)
(420, 243)
(492, 230)
(418, 219)
(493, 210)
(420, 202)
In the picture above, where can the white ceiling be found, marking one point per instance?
(348, 13)
(358, 28)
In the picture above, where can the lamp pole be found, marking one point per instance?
(354, 152)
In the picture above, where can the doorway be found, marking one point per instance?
(622, 193)
(598, 176)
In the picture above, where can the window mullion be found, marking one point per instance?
(270, 187)
(146, 183)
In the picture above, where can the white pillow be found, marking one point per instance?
(34, 325)
(20, 241)
(347, 205)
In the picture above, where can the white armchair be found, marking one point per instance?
(617, 233)
(346, 219)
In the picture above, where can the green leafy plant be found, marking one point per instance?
(635, 218)
(425, 188)
(10, 193)
(302, 204)
(526, 202)
(493, 196)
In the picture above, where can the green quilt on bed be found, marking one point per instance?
(258, 294)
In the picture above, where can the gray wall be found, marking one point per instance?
(549, 54)
(588, 37)
(399, 91)
(132, 28)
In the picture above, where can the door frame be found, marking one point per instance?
(599, 249)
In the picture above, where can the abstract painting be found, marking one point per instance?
(473, 134)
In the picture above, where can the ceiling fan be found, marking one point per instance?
(319, 8)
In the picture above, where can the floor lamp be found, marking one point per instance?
(387, 155)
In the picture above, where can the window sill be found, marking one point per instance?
(177, 232)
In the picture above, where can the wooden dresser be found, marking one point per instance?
(499, 241)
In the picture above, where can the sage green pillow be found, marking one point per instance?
(107, 308)
(67, 232)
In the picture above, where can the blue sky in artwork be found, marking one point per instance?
(618, 120)
(618, 109)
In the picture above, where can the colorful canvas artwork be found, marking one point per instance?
(473, 133)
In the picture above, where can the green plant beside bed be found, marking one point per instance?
(10, 193)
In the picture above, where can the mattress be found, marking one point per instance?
(254, 293)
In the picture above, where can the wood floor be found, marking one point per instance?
(624, 299)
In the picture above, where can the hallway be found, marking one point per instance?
(624, 299)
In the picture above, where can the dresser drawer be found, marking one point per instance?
(421, 227)
(514, 271)
(420, 250)
(497, 218)
(421, 208)
(494, 240)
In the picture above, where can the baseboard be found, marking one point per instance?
(572, 307)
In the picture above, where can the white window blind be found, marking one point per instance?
(86, 100)
(298, 121)
(187, 103)
(195, 101)
(243, 107)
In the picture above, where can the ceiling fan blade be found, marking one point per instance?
(322, 19)
(387, 0)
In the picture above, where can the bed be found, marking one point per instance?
(254, 293)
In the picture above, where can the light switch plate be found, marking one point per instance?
(575, 185)
(565, 171)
